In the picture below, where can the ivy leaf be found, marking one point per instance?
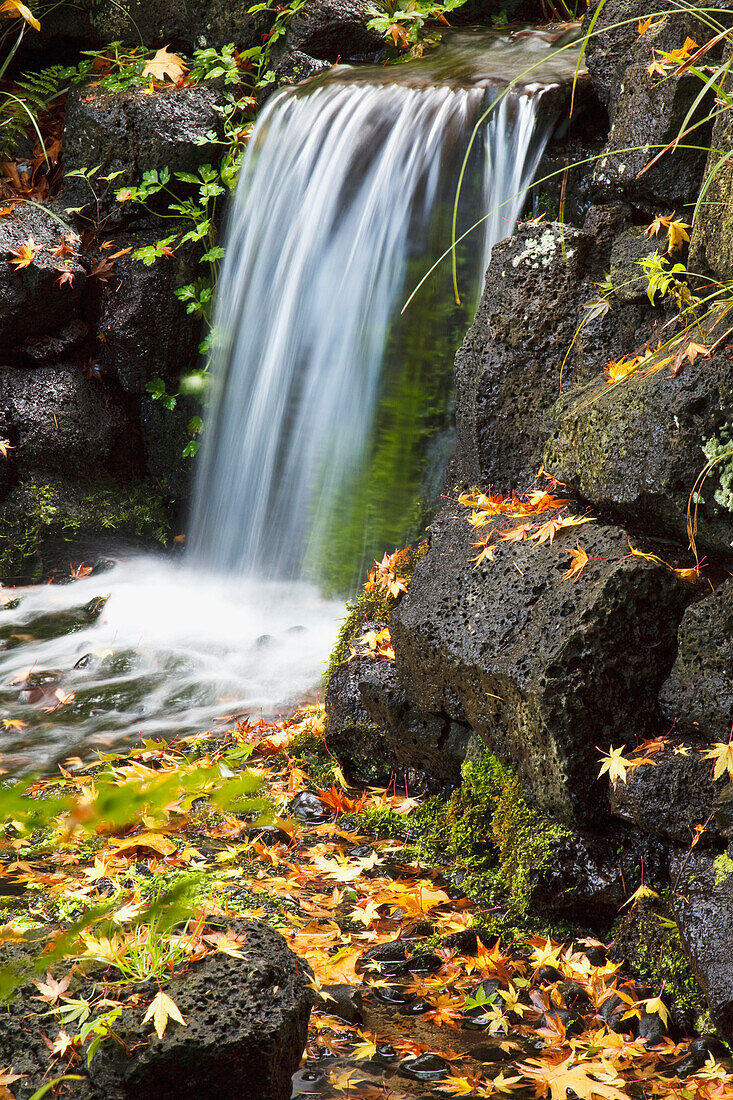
(162, 1009)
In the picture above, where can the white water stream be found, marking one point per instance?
(345, 194)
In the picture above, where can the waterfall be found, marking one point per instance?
(346, 189)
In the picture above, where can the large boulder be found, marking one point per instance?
(144, 330)
(246, 1024)
(636, 449)
(32, 301)
(671, 795)
(526, 342)
(698, 695)
(703, 906)
(330, 30)
(371, 722)
(126, 134)
(182, 24)
(60, 420)
(711, 241)
(544, 669)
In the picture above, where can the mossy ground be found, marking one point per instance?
(41, 522)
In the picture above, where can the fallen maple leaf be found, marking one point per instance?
(555, 1080)
(689, 352)
(162, 1009)
(165, 64)
(24, 255)
(51, 990)
(616, 764)
(155, 841)
(487, 551)
(16, 9)
(5, 446)
(578, 561)
(722, 754)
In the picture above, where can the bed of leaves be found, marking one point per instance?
(139, 860)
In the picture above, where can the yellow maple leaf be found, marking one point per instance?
(487, 551)
(24, 255)
(722, 754)
(616, 370)
(616, 764)
(555, 1080)
(16, 9)
(165, 64)
(163, 1008)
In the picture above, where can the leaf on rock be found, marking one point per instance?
(162, 1009)
(165, 64)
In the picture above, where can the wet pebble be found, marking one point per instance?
(343, 1001)
(389, 996)
(265, 834)
(388, 957)
(428, 1067)
(698, 1053)
(309, 809)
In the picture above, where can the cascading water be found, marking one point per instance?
(346, 190)
(330, 413)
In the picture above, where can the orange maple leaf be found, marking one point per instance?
(578, 561)
(25, 255)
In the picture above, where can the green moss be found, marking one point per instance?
(39, 522)
(649, 940)
(497, 840)
(723, 867)
(372, 605)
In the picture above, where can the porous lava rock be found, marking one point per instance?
(637, 449)
(165, 435)
(295, 66)
(60, 420)
(144, 330)
(129, 133)
(671, 795)
(371, 721)
(526, 343)
(180, 24)
(703, 907)
(544, 669)
(246, 1027)
(711, 240)
(698, 695)
(330, 30)
(32, 303)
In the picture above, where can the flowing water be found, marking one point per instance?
(330, 421)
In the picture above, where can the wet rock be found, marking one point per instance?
(723, 816)
(467, 942)
(295, 66)
(343, 1001)
(669, 796)
(309, 809)
(629, 281)
(165, 436)
(699, 692)
(384, 956)
(703, 906)
(62, 421)
(711, 240)
(130, 133)
(698, 1052)
(427, 1067)
(505, 381)
(180, 24)
(54, 348)
(588, 875)
(49, 519)
(330, 30)
(133, 349)
(31, 301)
(542, 669)
(603, 450)
(246, 1026)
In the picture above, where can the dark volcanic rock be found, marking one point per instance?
(144, 329)
(711, 240)
(371, 721)
(31, 301)
(131, 133)
(165, 435)
(699, 691)
(669, 796)
(333, 29)
(246, 1026)
(182, 24)
(60, 420)
(295, 66)
(637, 449)
(543, 669)
(703, 907)
(508, 369)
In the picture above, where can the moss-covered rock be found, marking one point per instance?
(42, 523)
(636, 449)
(711, 241)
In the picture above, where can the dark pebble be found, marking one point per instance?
(309, 809)
(428, 1067)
